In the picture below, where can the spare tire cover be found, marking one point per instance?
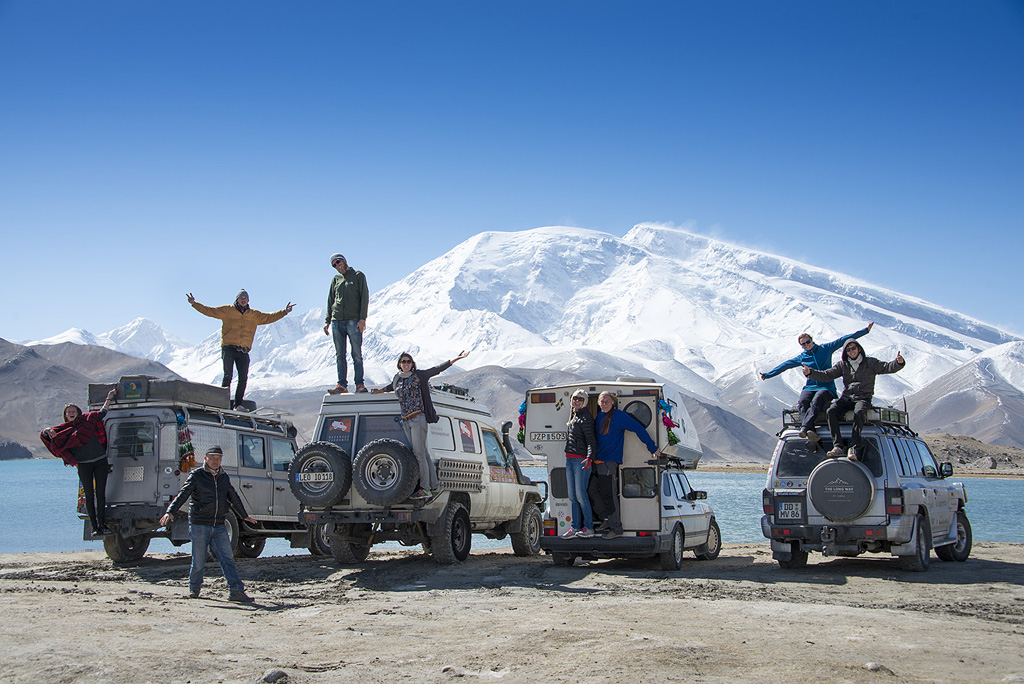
(840, 489)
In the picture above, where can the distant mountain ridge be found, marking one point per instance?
(660, 302)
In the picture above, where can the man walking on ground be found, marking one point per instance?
(816, 394)
(211, 492)
(347, 303)
(236, 335)
(858, 372)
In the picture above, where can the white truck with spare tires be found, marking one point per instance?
(355, 480)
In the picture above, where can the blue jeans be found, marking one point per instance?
(340, 331)
(576, 480)
(217, 540)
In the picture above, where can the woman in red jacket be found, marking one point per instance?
(81, 441)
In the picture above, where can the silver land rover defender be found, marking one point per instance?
(355, 480)
(157, 430)
(893, 499)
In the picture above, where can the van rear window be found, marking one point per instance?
(639, 483)
(131, 439)
(542, 398)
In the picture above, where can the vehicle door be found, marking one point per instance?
(695, 517)
(255, 478)
(132, 450)
(916, 489)
(639, 502)
(504, 490)
(285, 505)
(943, 511)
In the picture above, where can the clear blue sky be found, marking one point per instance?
(149, 149)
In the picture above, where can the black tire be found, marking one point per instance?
(841, 490)
(385, 472)
(797, 561)
(959, 550)
(320, 539)
(526, 542)
(672, 559)
(125, 549)
(919, 560)
(231, 523)
(350, 544)
(713, 546)
(250, 547)
(453, 544)
(320, 474)
(564, 560)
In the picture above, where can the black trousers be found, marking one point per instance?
(93, 477)
(839, 408)
(235, 357)
(812, 404)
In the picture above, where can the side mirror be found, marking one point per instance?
(696, 494)
(946, 469)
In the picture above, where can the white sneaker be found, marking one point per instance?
(852, 454)
(570, 533)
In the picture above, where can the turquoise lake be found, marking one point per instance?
(38, 498)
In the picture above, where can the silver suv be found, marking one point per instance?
(356, 479)
(894, 499)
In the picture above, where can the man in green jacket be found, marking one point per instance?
(347, 302)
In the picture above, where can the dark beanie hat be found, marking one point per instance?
(241, 293)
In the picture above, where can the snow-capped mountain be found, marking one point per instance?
(142, 337)
(699, 313)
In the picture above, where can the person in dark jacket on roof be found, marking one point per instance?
(816, 394)
(211, 494)
(580, 445)
(81, 441)
(412, 387)
(858, 372)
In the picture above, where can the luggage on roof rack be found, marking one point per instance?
(139, 388)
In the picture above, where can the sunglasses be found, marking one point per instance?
(405, 361)
(336, 262)
(806, 342)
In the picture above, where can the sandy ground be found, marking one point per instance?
(400, 617)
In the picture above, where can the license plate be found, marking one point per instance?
(547, 436)
(314, 477)
(790, 510)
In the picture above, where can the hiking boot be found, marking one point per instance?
(360, 388)
(570, 533)
(813, 437)
(852, 454)
(193, 595)
(338, 389)
(420, 493)
(803, 434)
(837, 452)
(239, 597)
(584, 533)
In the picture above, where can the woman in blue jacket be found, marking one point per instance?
(612, 425)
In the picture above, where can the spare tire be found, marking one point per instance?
(320, 474)
(385, 472)
(841, 490)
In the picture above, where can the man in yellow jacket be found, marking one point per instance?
(236, 334)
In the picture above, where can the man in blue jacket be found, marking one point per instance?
(816, 394)
(211, 492)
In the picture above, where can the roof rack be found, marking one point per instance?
(878, 415)
(453, 389)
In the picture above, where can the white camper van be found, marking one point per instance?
(662, 515)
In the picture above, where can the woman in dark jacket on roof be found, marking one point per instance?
(412, 387)
(81, 441)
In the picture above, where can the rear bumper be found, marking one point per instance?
(623, 546)
(382, 515)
